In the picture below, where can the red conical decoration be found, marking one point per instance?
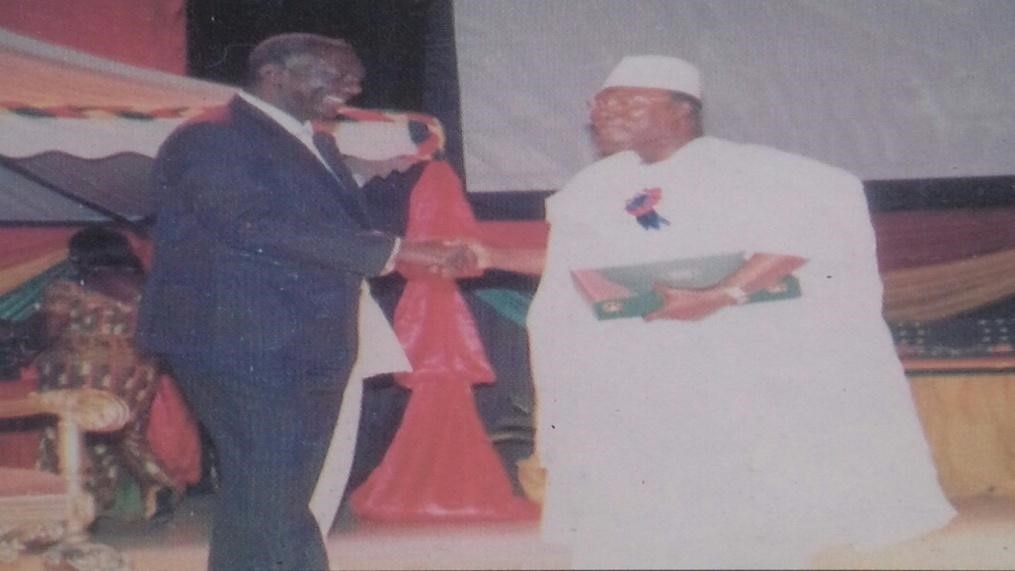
(441, 465)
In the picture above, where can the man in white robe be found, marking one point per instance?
(717, 433)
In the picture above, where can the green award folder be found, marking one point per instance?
(627, 291)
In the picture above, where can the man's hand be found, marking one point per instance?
(528, 261)
(689, 304)
(482, 253)
(448, 259)
(464, 261)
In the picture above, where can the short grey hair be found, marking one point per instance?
(281, 48)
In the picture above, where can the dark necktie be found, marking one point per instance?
(349, 192)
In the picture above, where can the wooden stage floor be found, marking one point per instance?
(981, 537)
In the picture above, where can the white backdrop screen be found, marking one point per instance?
(886, 89)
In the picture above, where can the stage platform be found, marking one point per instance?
(981, 537)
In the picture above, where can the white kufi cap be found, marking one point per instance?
(659, 72)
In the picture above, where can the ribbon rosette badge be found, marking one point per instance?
(642, 207)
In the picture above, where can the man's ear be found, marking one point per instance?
(681, 114)
(682, 109)
(270, 73)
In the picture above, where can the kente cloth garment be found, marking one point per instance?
(754, 437)
(95, 348)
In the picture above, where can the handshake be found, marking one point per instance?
(449, 259)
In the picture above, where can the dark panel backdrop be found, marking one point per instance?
(407, 46)
(388, 35)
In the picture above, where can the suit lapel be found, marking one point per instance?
(285, 146)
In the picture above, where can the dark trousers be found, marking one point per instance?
(271, 430)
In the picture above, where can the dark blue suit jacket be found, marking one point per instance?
(259, 250)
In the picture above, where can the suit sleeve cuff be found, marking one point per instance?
(389, 266)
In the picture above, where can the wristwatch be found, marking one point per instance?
(738, 295)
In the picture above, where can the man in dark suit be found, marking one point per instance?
(262, 244)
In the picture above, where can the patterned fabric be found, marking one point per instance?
(956, 338)
(97, 112)
(426, 131)
(95, 349)
(941, 291)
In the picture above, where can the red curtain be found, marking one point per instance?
(20, 245)
(915, 238)
(146, 33)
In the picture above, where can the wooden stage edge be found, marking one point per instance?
(981, 537)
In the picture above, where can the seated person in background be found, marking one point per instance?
(84, 332)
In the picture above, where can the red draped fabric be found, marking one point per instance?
(916, 238)
(527, 234)
(23, 244)
(441, 465)
(172, 433)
